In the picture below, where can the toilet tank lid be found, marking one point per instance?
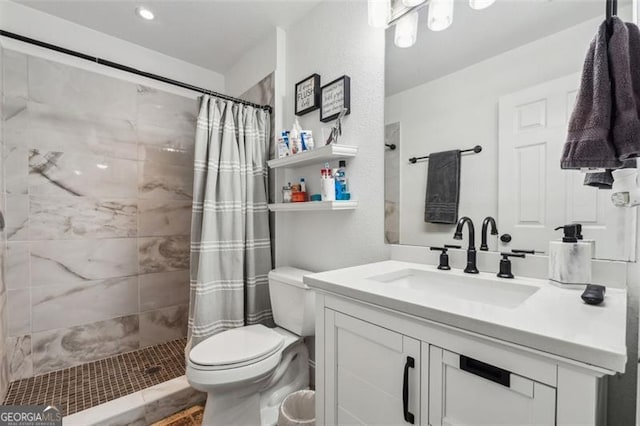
(289, 275)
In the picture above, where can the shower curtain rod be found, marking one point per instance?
(127, 69)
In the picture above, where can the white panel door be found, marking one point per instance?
(368, 370)
(535, 194)
(463, 391)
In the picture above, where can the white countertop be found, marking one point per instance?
(552, 320)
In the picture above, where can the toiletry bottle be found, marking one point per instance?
(283, 149)
(303, 185)
(286, 193)
(341, 181)
(287, 141)
(294, 134)
(328, 189)
(569, 258)
(307, 139)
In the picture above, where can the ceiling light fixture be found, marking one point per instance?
(405, 17)
(407, 30)
(440, 14)
(412, 3)
(144, 13)
(480, 4)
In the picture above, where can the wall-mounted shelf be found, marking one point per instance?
(313, 206)
(315, 156)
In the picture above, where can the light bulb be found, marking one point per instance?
(407, 30)
(412, 3)
(145, 13)
(480, 4)
(379, 11)
(440, 14)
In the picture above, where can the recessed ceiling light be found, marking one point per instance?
(144, 13)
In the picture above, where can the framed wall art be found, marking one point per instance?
(334, 97)
(307, 94)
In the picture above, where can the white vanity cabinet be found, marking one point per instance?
(377, 366)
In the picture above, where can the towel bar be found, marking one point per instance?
(476, 149)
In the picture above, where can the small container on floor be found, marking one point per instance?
(298, 408)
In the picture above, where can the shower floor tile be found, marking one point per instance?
(88, 385)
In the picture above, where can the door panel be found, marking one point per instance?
(365, 367)
(474, 396)
(535, 194)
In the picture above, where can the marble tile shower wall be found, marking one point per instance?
(98, 189)
(4, 376)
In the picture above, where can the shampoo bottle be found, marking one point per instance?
(570, 258)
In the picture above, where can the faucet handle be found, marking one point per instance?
(453, 246)
(505, 264)
(444, 257)
(517, 251)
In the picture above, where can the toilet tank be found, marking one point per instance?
(292, 302)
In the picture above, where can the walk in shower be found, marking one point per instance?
(97, 193)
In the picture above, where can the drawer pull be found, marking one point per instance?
(408, 417)
(486, 371)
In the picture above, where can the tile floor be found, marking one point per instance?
(78, 388)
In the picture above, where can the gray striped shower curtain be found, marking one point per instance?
(230, 241)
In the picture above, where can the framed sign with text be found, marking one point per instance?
(334, 97)
(308, 94)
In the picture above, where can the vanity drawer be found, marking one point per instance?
(466, 391)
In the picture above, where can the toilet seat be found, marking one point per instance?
(236, 348)
(204, 376)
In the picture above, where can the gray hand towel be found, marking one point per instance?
(624, 63)
(589, 143)
(600, 180)
(443, 187)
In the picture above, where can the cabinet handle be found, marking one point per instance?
(408, 417)
(486, 371)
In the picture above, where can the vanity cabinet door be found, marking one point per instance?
(464, 391)
(372, 374)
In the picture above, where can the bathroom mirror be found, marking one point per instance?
(505, 78)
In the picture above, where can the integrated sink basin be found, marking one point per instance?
(495, 292)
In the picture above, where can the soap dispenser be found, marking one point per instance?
(570, 258)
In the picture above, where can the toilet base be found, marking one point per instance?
(231, 408)
(258, 403)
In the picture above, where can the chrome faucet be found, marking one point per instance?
(471, 250)
(494, 231)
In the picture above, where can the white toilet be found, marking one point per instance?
(248, 371)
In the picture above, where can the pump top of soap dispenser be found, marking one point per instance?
(572, 233)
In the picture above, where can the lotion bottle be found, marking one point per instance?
(570, 258)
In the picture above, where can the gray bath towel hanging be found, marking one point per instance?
(589, 143)
(443, 187)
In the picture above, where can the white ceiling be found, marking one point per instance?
(211, 33)
(477, 35)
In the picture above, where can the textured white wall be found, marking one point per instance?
(460, 110)
(41, 26)
(332, 40)
(254, 65)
